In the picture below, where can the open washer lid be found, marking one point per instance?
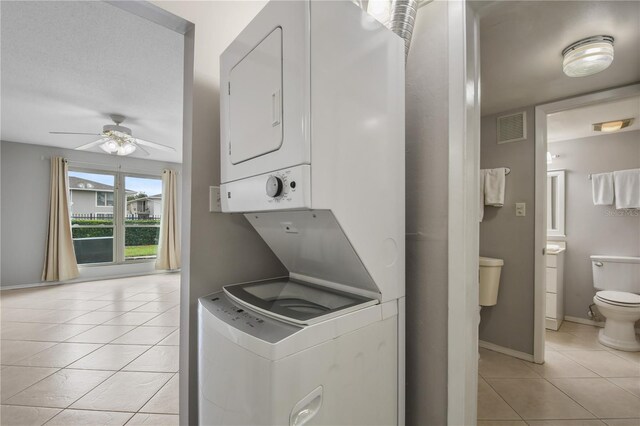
(314, 248)
(295, 301)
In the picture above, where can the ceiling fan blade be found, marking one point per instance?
(73, 133)
(157, 146)
(144, 151)
(91, 144)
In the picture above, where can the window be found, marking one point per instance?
(104, 199)
(115, 217)
(93, 233)
(142, 217)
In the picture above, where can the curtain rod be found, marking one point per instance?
(116, 167)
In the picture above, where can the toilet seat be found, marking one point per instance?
(619, 298)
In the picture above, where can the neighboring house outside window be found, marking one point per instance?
(86, 200)
(150, 205)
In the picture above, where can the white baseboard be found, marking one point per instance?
(506, 351)
(84, 280)
(552, 324)
(584, 321)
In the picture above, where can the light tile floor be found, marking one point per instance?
(96, 353)
(582, 383)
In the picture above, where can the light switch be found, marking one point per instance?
(214, 199)
(521, 209)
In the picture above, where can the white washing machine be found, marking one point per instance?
(312, 153)
(273, 358)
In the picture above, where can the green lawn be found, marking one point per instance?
(137, 251)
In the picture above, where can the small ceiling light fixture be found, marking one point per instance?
(612, 126)
(588, 56)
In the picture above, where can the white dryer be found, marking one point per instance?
(312, 153)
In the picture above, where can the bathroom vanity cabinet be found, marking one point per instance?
(555, 288)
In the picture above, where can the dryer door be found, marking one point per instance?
(265, 96)
(255, 101)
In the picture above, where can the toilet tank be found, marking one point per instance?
(619, 273)
(489, 280)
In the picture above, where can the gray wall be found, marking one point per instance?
(427, 160)
(25, 204)
(223, 248)
(505, 236)
(593, 229)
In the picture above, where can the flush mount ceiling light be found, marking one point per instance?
(588, 56)
(612, 126)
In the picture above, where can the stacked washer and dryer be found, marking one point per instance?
(312, 153)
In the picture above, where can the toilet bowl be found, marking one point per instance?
(618, 280)
(490, 270)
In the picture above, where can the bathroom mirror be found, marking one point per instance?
(555, 203)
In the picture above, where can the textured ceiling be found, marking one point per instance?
(578, 123)
(521, 44)
(67, 65)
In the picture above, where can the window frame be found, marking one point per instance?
(106, 198)
(124, 211)
(559, 203)
(119, 214)
(113, 219)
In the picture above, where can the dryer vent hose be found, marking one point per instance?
(402, 19)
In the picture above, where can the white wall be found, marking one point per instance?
(25, 204)
(221, 248)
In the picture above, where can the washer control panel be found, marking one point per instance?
(279, 190)
(246, 320)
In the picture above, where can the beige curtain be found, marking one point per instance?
(59, 258)
(169, 244)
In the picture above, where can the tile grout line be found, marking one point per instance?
(104, 344)
(505, 401)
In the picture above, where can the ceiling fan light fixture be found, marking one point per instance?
(110, 146)
(126, 149)
(588, 56)
(117, 139)
(119, 148)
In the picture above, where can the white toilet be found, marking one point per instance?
(490, 270)
(618, 279)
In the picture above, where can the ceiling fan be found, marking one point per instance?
(117, 139)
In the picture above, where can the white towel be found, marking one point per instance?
(602, 189)
(481, 198)
(494, 182)
(627, 188)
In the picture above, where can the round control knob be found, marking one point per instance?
(274, 186)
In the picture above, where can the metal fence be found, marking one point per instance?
(98, 216)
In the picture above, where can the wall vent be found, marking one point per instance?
(512, 127)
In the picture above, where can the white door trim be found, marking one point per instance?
(541, 196)
(463, 225)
